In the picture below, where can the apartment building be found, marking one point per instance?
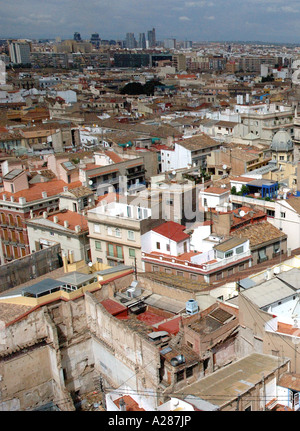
(20, 201)
(115, 231)
(189, 152)
(167, 249)
(68, 228)
(265, 121)
(102, 176)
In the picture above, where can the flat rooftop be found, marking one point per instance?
(226, 384)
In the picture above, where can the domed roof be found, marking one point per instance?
(281, 141)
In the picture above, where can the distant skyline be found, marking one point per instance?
(203, 20)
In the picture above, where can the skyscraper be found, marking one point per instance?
(95, 40)
(19, 52)
(151, 38)
(77, 36)
(142, 41)
(130, 41)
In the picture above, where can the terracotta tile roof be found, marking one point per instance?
(216, 190)
(114, 156)
(10, 312)
(73, 218)
(34, 192)
(172, 230)
(294, 202)
(197, 142)
(259, 233)
(291, 381)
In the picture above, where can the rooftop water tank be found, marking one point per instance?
(191, 306)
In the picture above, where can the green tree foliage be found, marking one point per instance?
(135, 88)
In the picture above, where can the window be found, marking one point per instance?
(276, 247)
(270, 213)
(193, 277)
(239, 250)
(168, 271)
(180, 273)
(110, 250)
(119, 252)
(180, 376)
(97, 228)
(282, 215)
(241, 266)
(158, 245)
(262, 255)
(109, 231)
(229, 253)
(219, 276)
(189, 372)
(230, 272)
(130, 235)
(98, 245)
(168, 247)
(155, 268)
(118, 232)
(132, 252)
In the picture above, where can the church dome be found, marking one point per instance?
(281, 142)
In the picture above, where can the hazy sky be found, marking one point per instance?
(265, 20)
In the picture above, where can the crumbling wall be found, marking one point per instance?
(30, 366)
(30, 267)
(122, 355)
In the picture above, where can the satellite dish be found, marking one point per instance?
(173, 172)
(90, 264)
(90, 182)
(224, 167)
(242, 213)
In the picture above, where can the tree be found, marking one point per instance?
(244, 190)
(132, 88)
(233, 190)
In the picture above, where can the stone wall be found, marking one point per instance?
(21, 270)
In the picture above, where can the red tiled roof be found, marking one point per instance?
(114, 156)
(172, 230)
(34, 192)
(72, 217)
(216, 190)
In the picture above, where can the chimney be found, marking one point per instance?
(55, 219)
(4, 197)
(65, 188)
(66, 224)
(77, 228)
(45, 214)
(22, 200)
(12, 199)
(44, 194)
(71, 256)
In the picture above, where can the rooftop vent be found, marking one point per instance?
(191, 307)
(177, 360)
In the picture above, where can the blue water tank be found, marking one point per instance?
(191, 306)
